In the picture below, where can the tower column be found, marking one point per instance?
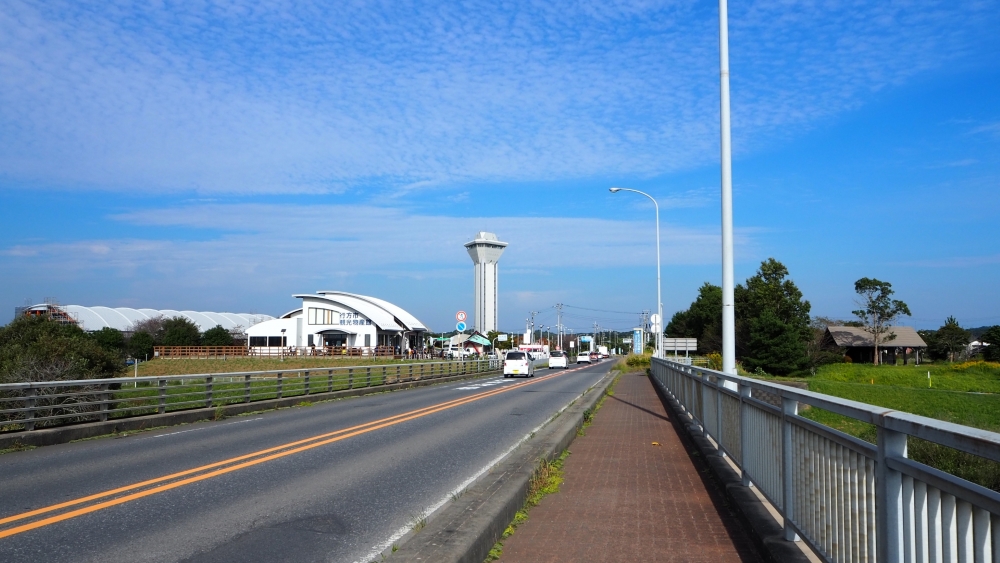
(485, 251)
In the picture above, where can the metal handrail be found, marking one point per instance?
(27, 406)
(848, 499)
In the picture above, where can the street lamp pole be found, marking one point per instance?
(659, 299)
(728, 302)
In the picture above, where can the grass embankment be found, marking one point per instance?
(966, 394)
(185, 366)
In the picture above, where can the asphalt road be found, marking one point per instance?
(340, 481)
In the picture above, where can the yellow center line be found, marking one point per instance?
(303, 445)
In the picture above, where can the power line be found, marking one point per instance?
(604, 310)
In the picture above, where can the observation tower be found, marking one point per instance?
(485, 251)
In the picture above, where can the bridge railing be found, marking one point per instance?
(29, 406)
(850, 500)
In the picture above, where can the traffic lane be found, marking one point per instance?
(347, 496)
(48, 475)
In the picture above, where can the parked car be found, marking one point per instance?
(518, 363)
(558, 359)
(583, 358)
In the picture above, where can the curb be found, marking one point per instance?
(466, 530)
(767, 533)
(69, 433)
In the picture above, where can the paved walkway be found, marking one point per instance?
(625, 499)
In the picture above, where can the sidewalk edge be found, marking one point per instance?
(766, 532)
(466, 530)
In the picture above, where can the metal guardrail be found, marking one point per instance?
(29, 406)
(851, 501)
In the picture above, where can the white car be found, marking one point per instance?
(583, 358)
(557, 359)
(518, 363)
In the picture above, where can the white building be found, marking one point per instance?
(341, 321)
(485, 251)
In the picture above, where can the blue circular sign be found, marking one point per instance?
(460, 327)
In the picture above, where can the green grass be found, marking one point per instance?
(960, 393)
(186, 366)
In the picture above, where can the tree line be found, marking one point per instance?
(42, 349)
(776, 334)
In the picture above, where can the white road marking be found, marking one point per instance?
(379, 549)
(207, 427)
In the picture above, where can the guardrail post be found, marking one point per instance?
(307, 381)
(246, 388)
(399, 372)
(744, 434)
(718, 415)
(105, 397)
(208, 391)
(703, 387)
(889, 496)
(329, 381)
(368, 377)
(411, 372)
(789, 408)
(421, 371)
(162, 406)
(280, 382)
(29, 403)
(384, 380)
(350, 378)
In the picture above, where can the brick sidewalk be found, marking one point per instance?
(625, 499)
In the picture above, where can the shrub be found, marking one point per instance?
(637, 361)
(715, 361)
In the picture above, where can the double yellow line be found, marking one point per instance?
(201, 473)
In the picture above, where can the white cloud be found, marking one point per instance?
(310, 98)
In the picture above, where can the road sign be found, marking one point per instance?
(460, 317)
(501, 338)
(585, 339)
(626, 340)
(572, 343)
(460, 327)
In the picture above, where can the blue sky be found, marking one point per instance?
(224, 155)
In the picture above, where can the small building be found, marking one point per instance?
(338, 323)
(859, 344)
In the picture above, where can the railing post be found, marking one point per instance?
(368, 377)
(384, 375)
(246, 388)
(280, 382)
(703, 387)
(350, 378)
(399, 372)
(307, 381)
(29, 403)
(744, 433)
(208, 391)
(104, 402)
(162, 406)
(718, 415)
(789, 408)
(889, 496)
(411, 372)
(329, 381)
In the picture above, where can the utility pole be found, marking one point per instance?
(559, 326)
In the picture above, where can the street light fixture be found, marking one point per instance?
(659, 300)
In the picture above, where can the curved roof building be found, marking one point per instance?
(123, 318)
(339, 318)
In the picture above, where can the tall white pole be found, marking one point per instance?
(728, 302)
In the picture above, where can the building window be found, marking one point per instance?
(319, 316)
(258, 341)
(275, 341)
(368, 341)
(311, 341)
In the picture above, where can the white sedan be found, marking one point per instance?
(557, 359)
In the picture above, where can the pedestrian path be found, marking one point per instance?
(625, 498)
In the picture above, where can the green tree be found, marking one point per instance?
(991, 353)
(952, 338)
(110, 339)
(702, 320)
(878, 310)
(41, 349)
(179, 331)
(217, 336)
(140, 345)
(772, 319)
(778, 346)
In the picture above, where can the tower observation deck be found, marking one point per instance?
(485, 251)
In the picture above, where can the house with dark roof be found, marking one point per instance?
(859, 344)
